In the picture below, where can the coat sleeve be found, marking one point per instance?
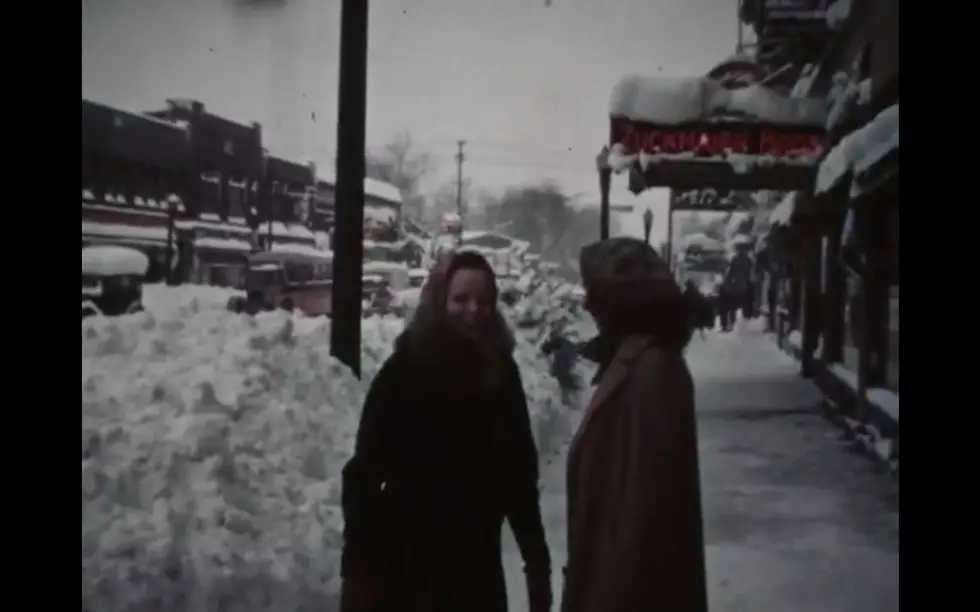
(657, 538)
(364, 475)
(523, 507)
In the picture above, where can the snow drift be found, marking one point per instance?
(212, 445)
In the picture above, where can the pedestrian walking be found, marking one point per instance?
(726, 307)
(444, 453)
(699, 309)
(635, 539)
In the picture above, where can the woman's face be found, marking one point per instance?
(469, 301)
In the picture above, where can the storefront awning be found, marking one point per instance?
(123, 234)
(862, 155)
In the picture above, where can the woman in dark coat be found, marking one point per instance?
(635, 539)
(444, 454)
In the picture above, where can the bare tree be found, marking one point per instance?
(401, 163)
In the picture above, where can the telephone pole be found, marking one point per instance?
(345, 333)
(459, 188)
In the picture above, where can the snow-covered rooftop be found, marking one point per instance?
(667, 100)
(113, 261)
(859, 150)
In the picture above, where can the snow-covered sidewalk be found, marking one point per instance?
(791, 521)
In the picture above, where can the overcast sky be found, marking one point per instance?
(525, 84)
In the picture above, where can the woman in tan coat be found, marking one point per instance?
(635, 539)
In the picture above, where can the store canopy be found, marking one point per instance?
(700, 132)
(862, 155)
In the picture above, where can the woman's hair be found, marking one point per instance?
(630, 289)
(427, 333)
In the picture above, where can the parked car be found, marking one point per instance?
(112, 280)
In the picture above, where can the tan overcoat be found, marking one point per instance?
(635, 539)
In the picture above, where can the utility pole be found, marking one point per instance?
(345, 332)
(459, 189)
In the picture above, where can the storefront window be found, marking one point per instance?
(891, 369)
(891, 372)
(852, 331)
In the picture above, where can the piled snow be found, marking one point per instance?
(167, 302)
(113, 260)
(679, 100)
(212, 445)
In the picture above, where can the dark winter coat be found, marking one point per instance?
(439, 463)
(699, 308)
(563, 353)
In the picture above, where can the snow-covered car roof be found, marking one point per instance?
(105, 260)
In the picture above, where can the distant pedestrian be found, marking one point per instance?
(563, 353)
(699, 308)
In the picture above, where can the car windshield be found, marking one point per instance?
(261, 276)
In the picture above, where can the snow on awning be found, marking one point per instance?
(217, 226)
(783, 213)
(282, 230)
(124, 233)
(223, 244)
(860, 150)
(680, 100)
(301, 249)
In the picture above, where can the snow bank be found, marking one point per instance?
(167, 302)
(212, 445)
(667, 100)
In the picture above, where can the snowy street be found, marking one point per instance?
(793, 521)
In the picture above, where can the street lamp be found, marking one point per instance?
(647, 224)
(174, 205)
(605, 176)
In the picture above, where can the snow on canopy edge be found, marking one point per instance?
(107, 260)
(670, 100)
(783, 212)
(859, 150)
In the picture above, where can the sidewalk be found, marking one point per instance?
(792, 522)
(879, 437)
